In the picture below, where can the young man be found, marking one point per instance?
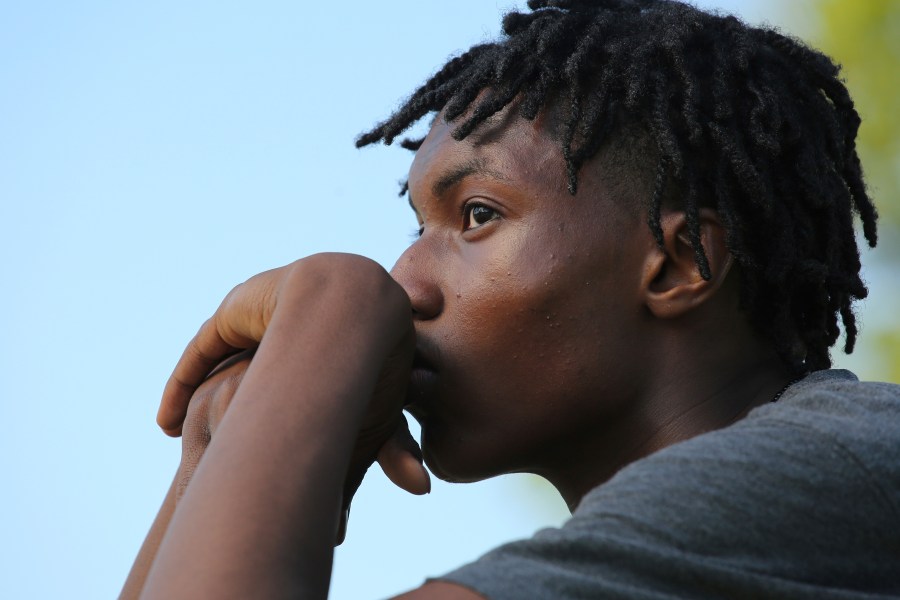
(636, 241)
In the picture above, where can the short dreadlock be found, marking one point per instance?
(746, 120)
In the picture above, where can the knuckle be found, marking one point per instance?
(195, 419)
(349, 277)
(221, 399)
(195, 352)
(339, 266)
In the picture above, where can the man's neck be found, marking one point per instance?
(670, 409)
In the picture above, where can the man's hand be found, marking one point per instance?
(238, 324)
(242, 318)
(205, 411)
(399, 457)
(322, 396)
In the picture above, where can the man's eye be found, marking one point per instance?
(477, 214)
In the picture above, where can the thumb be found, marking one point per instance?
(401, 460)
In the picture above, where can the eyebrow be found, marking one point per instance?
(476, 166)
(455, 175)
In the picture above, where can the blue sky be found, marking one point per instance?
(152, 156)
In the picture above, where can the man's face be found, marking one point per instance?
(525, 298)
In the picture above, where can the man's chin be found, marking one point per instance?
(447, 462)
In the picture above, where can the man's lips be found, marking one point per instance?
(421, 361)
(428, 354)
(422, 379)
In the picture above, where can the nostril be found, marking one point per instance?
(412, 273)
(426, 299)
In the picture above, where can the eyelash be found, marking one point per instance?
(467, 219)
(469, 208)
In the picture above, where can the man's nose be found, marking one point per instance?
(415, 272)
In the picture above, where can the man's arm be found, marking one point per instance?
(210, 401)
(259, 517)
(141, 567)
(207, 405)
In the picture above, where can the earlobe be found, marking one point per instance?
(672, 283)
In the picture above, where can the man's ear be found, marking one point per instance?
(672, 282)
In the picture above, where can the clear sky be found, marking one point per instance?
(152, 156)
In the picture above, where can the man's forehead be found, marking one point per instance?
(442, 161)
(503, 138)
(456, 173)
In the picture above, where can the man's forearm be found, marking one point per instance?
(260, 515)
(138, 575)
(141, 567)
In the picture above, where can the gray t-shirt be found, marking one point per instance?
(800, 499)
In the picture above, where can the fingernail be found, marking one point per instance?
(342, 527)
(427, 479)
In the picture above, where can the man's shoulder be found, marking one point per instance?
(833, 408)
(791, 501)
(827, 426)
(826, 409)
(838, 392)
(815, 474)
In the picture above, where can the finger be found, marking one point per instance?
(342, 527)
(239, 323)
(401, 460)
(203, 353)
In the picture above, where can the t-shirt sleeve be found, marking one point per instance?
(758, 510)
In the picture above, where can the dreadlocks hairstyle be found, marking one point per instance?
(746, 120)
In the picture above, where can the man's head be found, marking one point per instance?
(745, 121)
